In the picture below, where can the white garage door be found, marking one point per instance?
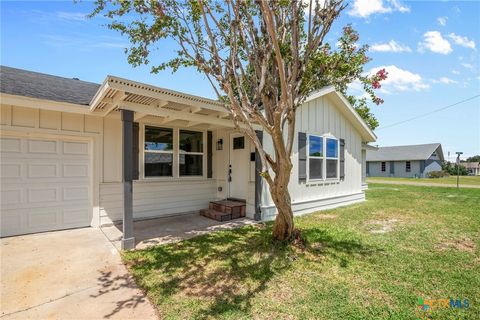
(45, 185)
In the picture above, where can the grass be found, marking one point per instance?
(464, 180)
(367, 261)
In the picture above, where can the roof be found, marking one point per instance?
(402, 153)
(470, 165)
(43, 86)
(347, 110)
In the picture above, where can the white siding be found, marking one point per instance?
(321, 117)
(156, 199)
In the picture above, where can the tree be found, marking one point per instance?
(474, 159)
(453, 169)
(263, 57)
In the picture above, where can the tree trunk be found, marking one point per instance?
(283, 226)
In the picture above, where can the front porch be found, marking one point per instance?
(165, 230)
(178, 153)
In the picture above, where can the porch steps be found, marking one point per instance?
(224, 210)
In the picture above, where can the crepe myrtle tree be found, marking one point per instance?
(263, 58)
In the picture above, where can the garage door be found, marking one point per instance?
(45, 185)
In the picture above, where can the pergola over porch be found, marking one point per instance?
(135, 101)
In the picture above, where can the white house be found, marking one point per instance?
(76, 154)
(412, 161)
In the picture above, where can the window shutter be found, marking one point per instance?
(209, 155)
(302, 157)
(136, 150)
(342, 159)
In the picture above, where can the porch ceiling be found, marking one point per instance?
(146, 100)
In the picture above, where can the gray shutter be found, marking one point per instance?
(342, 159)
(209, 155)
(368, 168)
(302, 156)
(392, 167)
(136, 150)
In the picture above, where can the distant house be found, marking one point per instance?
(405, 161)
(472, 167)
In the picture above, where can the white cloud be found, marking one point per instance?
(468, 66)
(400, 80)
(365, 8)
(442, 21)
(73, 16)
(398, 6)
(445, 80)
(391, 46)
(434, 42)
(462, 41)
(456, 72)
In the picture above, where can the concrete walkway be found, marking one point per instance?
(72, 274)
(171, 229)
(424, 184)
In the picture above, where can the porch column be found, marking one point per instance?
(128, 241)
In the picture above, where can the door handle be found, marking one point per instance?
(230, 173)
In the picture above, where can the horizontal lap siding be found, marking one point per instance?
(155, 199)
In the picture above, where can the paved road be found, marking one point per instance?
(425, 184)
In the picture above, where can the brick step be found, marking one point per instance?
(235, 208)
(216, 215)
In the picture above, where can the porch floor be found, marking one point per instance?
(171, 229)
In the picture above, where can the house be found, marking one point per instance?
(78, 154)
(413, 161)
(472, 167)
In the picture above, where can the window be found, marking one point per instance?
(191, 153)
(332, 158)
(158, 152)
(384, 166)
(315, 157)
(238, 143)
(408, 166)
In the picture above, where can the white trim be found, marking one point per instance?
(27, 102)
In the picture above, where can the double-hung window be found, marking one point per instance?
(158, 152)
(384, 166)
(315, 157)
(408, 166)
(323, 160)
(191, 153)
(332, 158)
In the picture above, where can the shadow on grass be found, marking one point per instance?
(221, 273)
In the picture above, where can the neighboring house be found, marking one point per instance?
(70, 150)
(472, 167)
(414, 161)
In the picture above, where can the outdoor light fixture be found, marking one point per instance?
(220, 144)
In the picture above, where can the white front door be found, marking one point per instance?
(45, 184)
(239, 172)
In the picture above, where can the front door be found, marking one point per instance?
(239, 172)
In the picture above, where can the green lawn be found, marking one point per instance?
(367, 261)
(464, 180)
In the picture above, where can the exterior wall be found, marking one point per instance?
(152, 197)
(15, 120)
(321, 116)
(399, 169)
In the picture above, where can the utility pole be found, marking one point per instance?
(458, 168)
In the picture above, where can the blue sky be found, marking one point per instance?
(430, 49)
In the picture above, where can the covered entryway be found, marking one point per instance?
(45, 184)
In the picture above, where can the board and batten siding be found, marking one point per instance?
(321, 117)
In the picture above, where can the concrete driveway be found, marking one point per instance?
(72, 274)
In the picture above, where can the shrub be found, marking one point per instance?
(437, 174)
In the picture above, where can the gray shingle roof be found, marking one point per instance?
(43, 86)
(402, 153)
